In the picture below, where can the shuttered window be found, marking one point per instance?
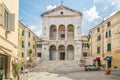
(22, 44)
(108, 34)
(22, 32)
(22, 54)
(98, 50)
(109, 47)
(8, 19)
(108, 23)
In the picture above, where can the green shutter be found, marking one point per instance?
(22, 54)
(98, 50)
(109, 33)
(109, 47)
(22, 44)
(22, 32)
(106, 34)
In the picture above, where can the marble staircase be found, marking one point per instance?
(57, 66)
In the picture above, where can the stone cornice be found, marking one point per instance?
(9, 41)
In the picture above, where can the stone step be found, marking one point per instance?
(57, 66)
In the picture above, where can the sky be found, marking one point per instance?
(94, 11)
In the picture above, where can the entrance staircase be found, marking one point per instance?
(57, 66)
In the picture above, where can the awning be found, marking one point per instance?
(7, 52)
(97, 58)
(108, 58)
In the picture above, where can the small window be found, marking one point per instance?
(22, 54)
(108, 34)
(38, 54)
(98, 50)
(39, 45)
(62, 35)
(61, 12)
(82, 44)
(22, 32)
(108, 23)
(28, 43)
(109, 47)
(84, 54)
(22, 44)
(99, 38)
(98, 29)
(29, 34)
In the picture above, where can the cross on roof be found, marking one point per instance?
(62, 2)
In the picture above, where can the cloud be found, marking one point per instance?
(32, 27)
(110, 15)
(38, 33)
(91, 14)
(105, 8)
(113, 3)
(49, 7)
(97, 1)
(117, 4)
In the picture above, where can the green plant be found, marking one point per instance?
(15, 66)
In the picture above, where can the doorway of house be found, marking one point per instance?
(3, 67)
(62, 56)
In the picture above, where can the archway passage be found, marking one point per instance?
(70, 54)
(70, 32)
(53, 54)
(61, 32)
(61, 51)
(53, 32)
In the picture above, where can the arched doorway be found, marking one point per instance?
(70, 32)
(61, 51)
(61, 32)
(53, 32)
(53, 54)
(70, 52)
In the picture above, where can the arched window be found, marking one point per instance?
(70, 32)
(53, 32)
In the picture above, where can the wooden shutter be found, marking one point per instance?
(106, 34)
(0, 14)
(12, 22)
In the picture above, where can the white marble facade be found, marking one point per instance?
(61, 34)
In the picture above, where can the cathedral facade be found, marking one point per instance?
(61, 34)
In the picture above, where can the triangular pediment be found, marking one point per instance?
(60, 11)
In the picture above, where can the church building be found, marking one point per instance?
(61, 34)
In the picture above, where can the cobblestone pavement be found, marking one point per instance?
(91, 75)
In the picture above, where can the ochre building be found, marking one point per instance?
(8, 36)
(105, 42)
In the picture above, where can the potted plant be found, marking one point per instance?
(107, 70)
(15, 66)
